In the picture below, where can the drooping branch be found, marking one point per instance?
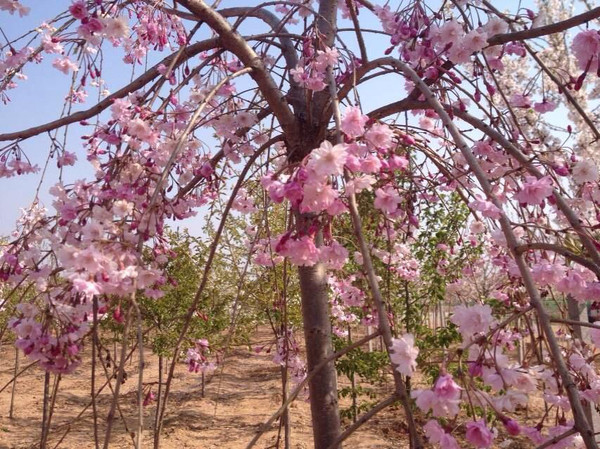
(236, 44)
(513, 150)
(575, 323)
(563, 252)
(384, 325)
(294, 394)
(281, 32)
(207, 269)
(138, 83)
(545, 30)
(581, 423)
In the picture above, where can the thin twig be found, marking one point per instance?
(301, 385)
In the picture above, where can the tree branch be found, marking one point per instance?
(234, 43)
(581, 423)
(562, 251)
(557, 27)
(363, 419)
(309, 376)
(138, 83)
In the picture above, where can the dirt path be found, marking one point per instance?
(242, 394)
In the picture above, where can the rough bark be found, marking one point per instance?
(317, 334)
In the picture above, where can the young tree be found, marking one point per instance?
(287, 97)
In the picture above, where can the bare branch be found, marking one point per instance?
(557, 27)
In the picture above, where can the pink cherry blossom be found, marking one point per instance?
(301, 251)
(328, 159)
(404, 354)
(78, 9)
(475, 40)
(478, 434)
(65, 65)
(487, 208)
(585, 171)
(472, 320)
(445, 388)
(586, 48)
(317, 196)
(334, 255)
(437, 435)
(387, 199)
(545, 106)
(380, 136)
(353, 122)
(359, 184)
(535, 190)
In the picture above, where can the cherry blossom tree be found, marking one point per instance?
(349, 115)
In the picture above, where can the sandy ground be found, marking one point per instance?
(242, 394)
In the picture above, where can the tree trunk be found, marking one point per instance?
(317, 334)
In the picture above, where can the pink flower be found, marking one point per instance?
(512, 427)
(396, 162)
(88, 288)
(478, 434)
(334, 255)
(472, 320)
(78, 10)
(475, 40)
(586, 47)
(544, 106)
(64, 65)
(585, 171)
(353, 122)
(13, 6)
(487, 208)
(520, 101)
(326, 58)
(315, 83)
(359, 184)
(370, 164)
(534, 190)
(380, 136)
(67, 158)
(546, 273)
(52, 45)
(433, 431)
(495, 26)
(404, 354)
(387, 200)
(328, 159)
(573, 283)
(140, 129)
(450, 32)
(428, 400)
(317, 196)
(300, 252)
(121, 109)
(436, 435)
(446, 388)
(116, 27)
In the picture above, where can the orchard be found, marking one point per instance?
(416, 176)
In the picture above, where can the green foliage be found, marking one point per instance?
(166, 314)
(364, 369)
(432, 344)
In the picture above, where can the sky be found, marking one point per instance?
(40, 99)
